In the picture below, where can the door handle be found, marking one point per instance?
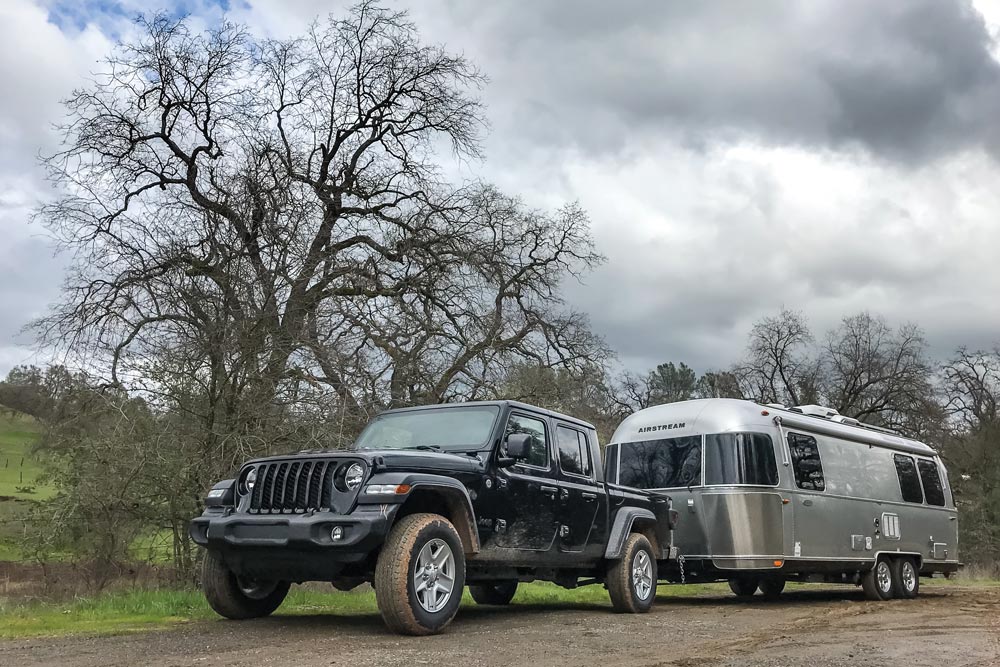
(589, 496)
(550, 490)
(807, 503)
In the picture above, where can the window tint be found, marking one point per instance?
(740, 458)
(538, 451)
(806, 462)
(931, 479)
(574, 457)
(909, 483)
(661, 464)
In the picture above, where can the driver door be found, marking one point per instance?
(528, 492)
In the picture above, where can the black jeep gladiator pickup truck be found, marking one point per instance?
(427, 501)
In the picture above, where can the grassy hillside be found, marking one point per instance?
(19, 469)
(19, 474)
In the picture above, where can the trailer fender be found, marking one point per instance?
(622, 526)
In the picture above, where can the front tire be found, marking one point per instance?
(497, 594)
(632, 578)
(420, 575)
(744, 587)
(877, 582)
(239, 598)
(905, 578)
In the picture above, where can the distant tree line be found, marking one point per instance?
(264, 254)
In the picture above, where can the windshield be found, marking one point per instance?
(661, 464)
(445, 429)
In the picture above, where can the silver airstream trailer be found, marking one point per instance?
(769, 494)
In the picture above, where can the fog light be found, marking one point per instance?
(337, 533)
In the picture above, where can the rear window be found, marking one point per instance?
(740, 458)
(909, 482)
(931, 479)
(661, 464)
(574, 455)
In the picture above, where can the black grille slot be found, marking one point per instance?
(293, 487)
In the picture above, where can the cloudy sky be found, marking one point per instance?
(735, 157)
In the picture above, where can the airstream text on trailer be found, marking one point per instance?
(769, 494)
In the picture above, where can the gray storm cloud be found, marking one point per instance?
(735, 157)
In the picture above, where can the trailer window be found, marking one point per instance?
(806, 462)
(909, 483)
(931, 479)
(611, 463)
(740, 458)
(661, 464)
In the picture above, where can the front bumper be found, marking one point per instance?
(294, 547)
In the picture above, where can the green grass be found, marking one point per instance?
(19, 468)
(138, 610)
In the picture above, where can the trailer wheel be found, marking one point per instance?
(238, 598)
(498, 594)
(420, 574)
(632, 578)
(771, 587)
(744, 587)
(877, 582)
(905, 578)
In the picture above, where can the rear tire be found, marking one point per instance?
(905, 578)
(771, 587)
(744, 587)
(877, 582)
(420, 575)
(498, 594)
(631, 579)
(238, 598)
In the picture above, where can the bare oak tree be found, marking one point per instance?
(778, 367)
(263, 241)
(878, 374)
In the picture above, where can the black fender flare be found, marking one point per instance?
(454, 492)
(622, 526)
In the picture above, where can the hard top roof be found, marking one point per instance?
(502, 404)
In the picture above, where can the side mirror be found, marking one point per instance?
(517, 445)
(517, 449)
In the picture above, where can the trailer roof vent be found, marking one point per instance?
(816, 411)
(846, 420)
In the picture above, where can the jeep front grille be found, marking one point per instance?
(293, 486)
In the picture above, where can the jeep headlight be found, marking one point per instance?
(249, 479)
(354, 476)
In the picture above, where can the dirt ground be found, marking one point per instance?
(816, 627)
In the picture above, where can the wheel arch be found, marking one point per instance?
(444, 496)
(630, 520)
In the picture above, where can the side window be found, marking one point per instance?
(740, 458)
(806, 462)
(538, 453)
(931, 478)
(909, 483)
(759, 466)
(574, 455)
